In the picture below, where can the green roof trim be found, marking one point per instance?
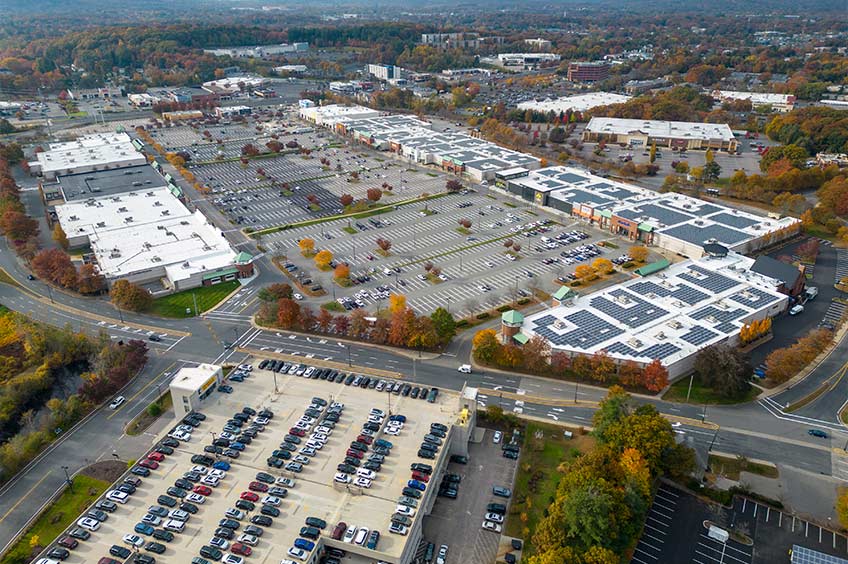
(606, 213)
(563, 293)
(243, 258)
(652, 268)
(512, 317)
(645, 227)
(521, 338)
(224, 272)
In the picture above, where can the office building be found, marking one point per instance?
(540, 44)
(451, 40)
(592, 71)
(384, 72)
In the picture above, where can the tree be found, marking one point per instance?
(724, 369)
(711, 172)
(323, 259)
(428, 266)
(655, 376)
(516, 247)
(341, 272)
(486, 345)
(584, 271)
(346, 200)
(288, 313)
(536, 354)
(374, 194)
(453, 185)
(18, 226)
(307, 246)
(602, 265)
(444, 324)
(557, 135)
(275, 292)
(842, 506)
(423, 334)
(341, 323)
(466, 223)
(358, 325)
(89, 280)
(384, 244)
(653, 153)
(508, 243)
(54, 265)
(586, 512)
(638, 253)
(614, 407)
(129, 296)
(59, 236)
(397, 302)
(400, 327)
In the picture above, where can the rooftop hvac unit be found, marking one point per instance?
(74, 218)
(128, 219)
(101, 224)
(166, 212)
(184, 222)
(114, 254)
(155, 259)
(660, 336)
(195, 235)
(169, 233)
(157, 204)
(186, 265)
(146, 245)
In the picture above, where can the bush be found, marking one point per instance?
(503, 308)
(522, 301)
(154, 409)
(484, 315)
(462, 323)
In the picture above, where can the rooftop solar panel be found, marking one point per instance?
(708, 280)
(803, 555)
(699, 234)
(755, 298)
(698, 335)
(732, 220)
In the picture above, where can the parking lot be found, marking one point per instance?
(478, 271)
(675, 532)
(458, 522)
(240, 494)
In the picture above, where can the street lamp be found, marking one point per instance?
(349, 363)
(50, 292)
(68, 478)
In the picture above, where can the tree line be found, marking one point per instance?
(537, 357)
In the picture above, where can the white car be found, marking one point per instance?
(404, 510)
(377, 412)
(298, 553)
(245, 538)
(496, 438)
(443, 554)
(116, 403)
(349, 534)
(200, 469)
(796, 309)
(492, 526)
(232, 559)
(115, 495)
(89, 523)
(245, 367)
(219, 542)
(220, 474)
(133, 540)
(180, 436)
(341, 478)
(196, 498)
(394, 431)
(361, 536)
(272, 500)
(363, 482)
(211, 481)
(465, 369)
(399, 529)
(285, 482)
(495, 517)
(364, 473)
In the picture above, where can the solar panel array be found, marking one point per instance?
(590, 330)
(759, 300)
(804, 555)
(698, 234)
(658, 351)
(723, 315)
(685, 293)
(636, 313)
(726, 328)
(732, 220)
(711, 281)
(659, 213)
(698, 335)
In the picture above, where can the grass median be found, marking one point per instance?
(703, 395)
(56, 518)
(147, 417)
(175, 305)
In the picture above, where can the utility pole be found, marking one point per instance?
(68, 478)
(349, 363)
(691, 378)
(194, 297)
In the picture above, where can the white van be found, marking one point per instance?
(174, 525)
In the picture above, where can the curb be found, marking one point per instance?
(322, 363)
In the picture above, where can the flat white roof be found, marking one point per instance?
(183, 245)
(334, 113)
(99, 215)
(578, 103)
(100, 149)
(191, 378)
(758, 98)
(667, 316)
(665, 129)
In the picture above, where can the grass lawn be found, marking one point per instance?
(701, 394)
(332, 306)
(350, 230)
(6, 279)
(144, 420)
(731, 467)
(174, 305)
(537, 477)
(55, 519)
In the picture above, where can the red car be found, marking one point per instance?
(202, 490)
(365, 439)
(354, 453)
(258, 487)
(152, 464)
(420, 476)
(249, 496)
(68, 542)
(242, 549)
(297, 432)
(157, 456)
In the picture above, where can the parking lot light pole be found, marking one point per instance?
(68, 479)
(349, 363)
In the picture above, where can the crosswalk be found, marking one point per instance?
(835, 312)
(841, 265)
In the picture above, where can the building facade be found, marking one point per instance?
(582, 71)
(671, 134)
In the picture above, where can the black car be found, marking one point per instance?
(274, 462)
(188, 507)
(176, 492)
(183, 483)
(202, 460)
(212, 449)
(270, 510)
(264, 477)
(243, 417)
(459, 459)
(224, 533)
(371, 465)
(221, 442)
(346, 468)
(426, 454)
(154, 547)
(288, 446)
(262, 520)
(229, 524)
(171, 442)
(245, 439)
(254, 530)
(163, 535)
(166, 450)
(352, 461)
(419, 467)
(128, 489)
(144, 558)
(80, 534)
(210, 552)
(119, 551)
(59, 553)
(106, 505)
(350, 378)
(140, 471)
(245, 505)
(266, 413)
(197, 415)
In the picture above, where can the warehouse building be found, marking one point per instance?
(668, 315)
(578, 103)
(778, 102)
(85, 154)
(675, 222)
(673, 134)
